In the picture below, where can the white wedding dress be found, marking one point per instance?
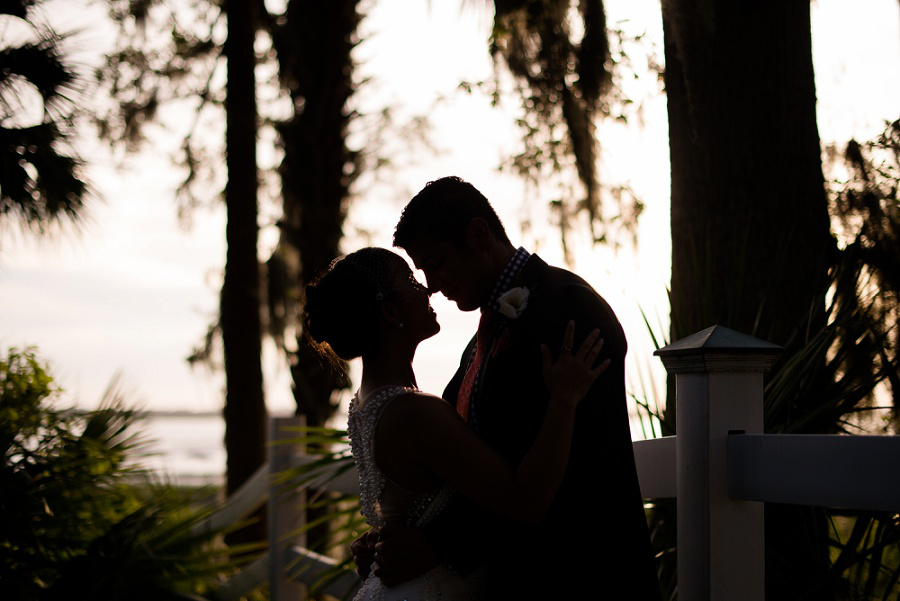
(382, 500)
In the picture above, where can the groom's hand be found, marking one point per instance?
(401, 554)
(363, 549)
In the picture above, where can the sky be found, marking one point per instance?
(134, 291)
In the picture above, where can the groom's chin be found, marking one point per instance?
(466, 306)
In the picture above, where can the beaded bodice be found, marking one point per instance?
(414, 509)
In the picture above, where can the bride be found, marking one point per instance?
(412, 449)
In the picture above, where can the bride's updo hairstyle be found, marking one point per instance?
(342, 305)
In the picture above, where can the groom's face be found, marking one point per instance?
(453, 270)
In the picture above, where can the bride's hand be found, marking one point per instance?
(573, 373)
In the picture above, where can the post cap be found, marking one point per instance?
(718, 349)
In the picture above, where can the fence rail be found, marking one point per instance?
(815, 469)
(720, 466)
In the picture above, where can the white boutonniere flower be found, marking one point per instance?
(513, 302)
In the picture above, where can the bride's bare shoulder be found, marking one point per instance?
(417, 405)
(417, 399)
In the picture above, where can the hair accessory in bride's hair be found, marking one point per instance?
(378, 266)
(382, 268)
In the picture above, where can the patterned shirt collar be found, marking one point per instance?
(512, 269)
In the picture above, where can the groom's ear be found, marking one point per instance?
(479, 236)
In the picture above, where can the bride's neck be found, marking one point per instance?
(385, 368)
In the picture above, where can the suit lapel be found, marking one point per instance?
(500, 336)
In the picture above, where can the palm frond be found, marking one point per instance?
(78, 517)
(42, 183)
(330, 459)
(40, 65)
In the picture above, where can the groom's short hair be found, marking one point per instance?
(442, 210)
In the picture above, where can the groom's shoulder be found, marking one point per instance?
(563, 277)
(566, 295)
(563, 287)
(553, 275)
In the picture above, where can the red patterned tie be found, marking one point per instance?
(465, 390)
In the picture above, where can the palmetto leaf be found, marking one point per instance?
(38, 184)
(140, 557)
(41, 180)
(830, 377)
(78, 517)
(38, 64)
(331, 459)
(17, 8)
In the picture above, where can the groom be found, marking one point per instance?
(594, 538)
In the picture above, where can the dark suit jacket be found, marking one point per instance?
(595, 534)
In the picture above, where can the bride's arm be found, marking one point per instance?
(427, 432)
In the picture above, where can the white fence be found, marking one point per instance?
(720, 466)
(296, 567)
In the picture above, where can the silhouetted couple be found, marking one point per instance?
(519, 483)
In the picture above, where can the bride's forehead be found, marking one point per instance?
(402, 273)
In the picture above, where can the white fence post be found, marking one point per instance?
(718, 389)
(285, 508)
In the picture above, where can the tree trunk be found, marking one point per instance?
(750, 227)
(315, 53)
(314, 50)
(245, 409)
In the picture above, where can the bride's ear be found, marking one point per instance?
(390, 313)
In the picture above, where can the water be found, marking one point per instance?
(187, 448)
